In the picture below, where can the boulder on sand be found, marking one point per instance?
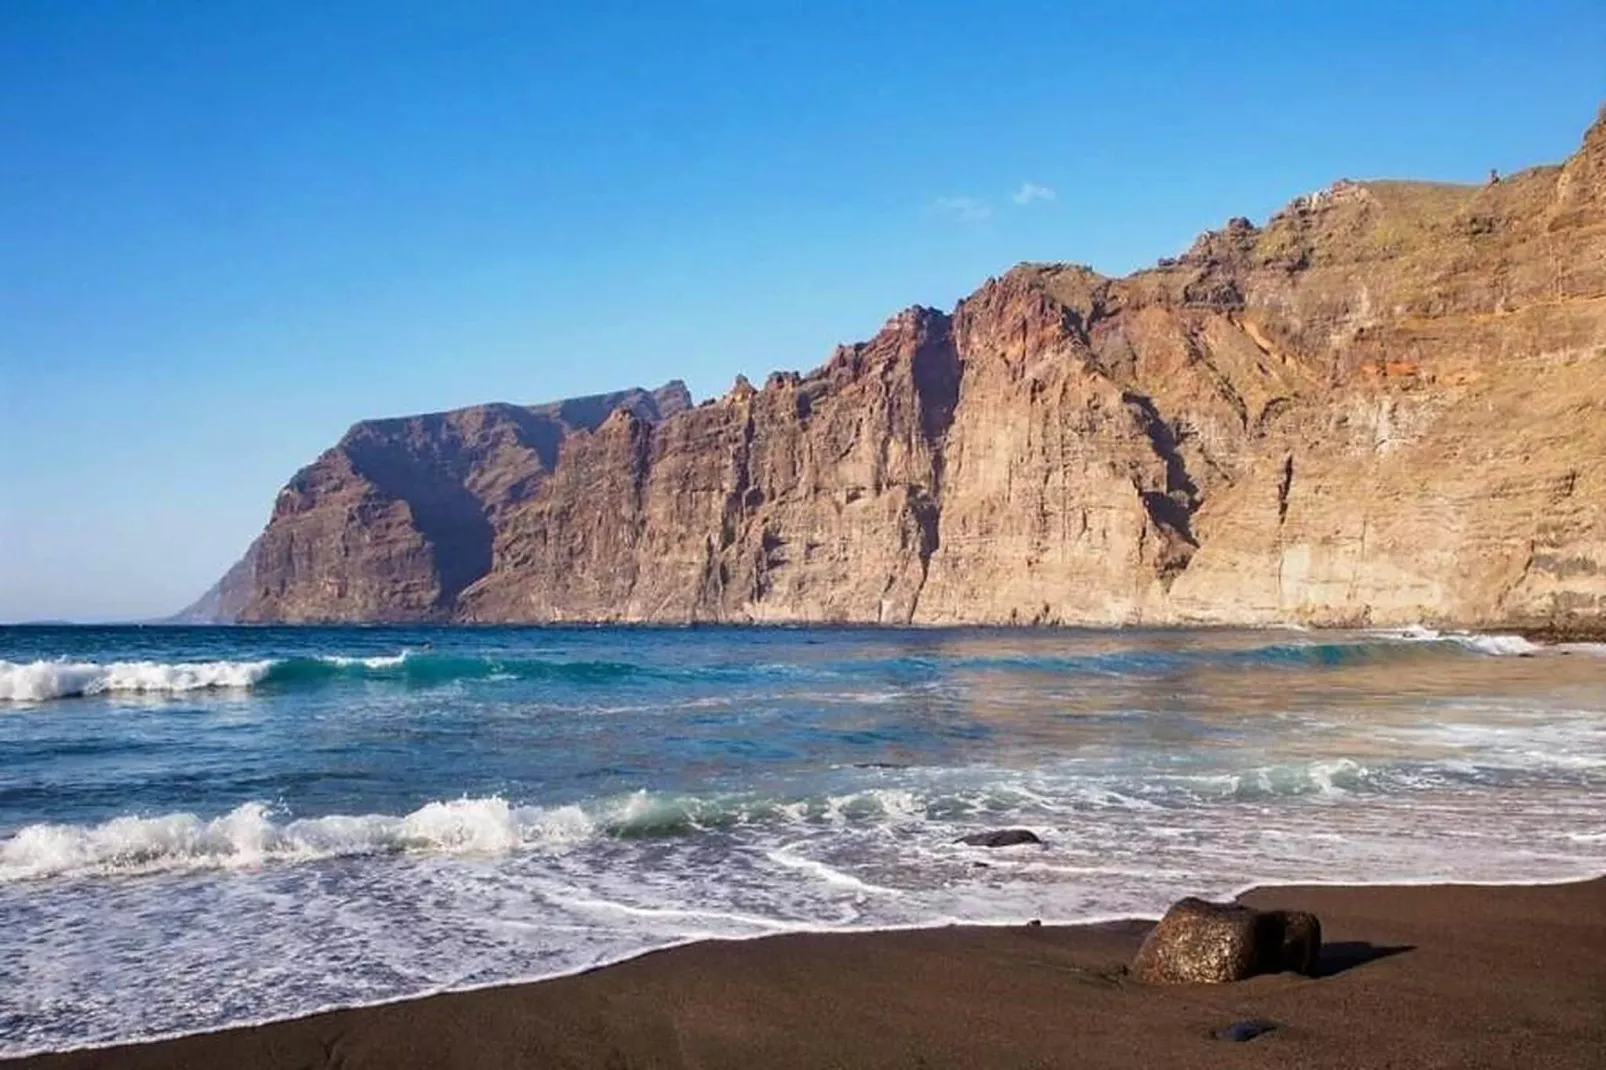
(1207, 943)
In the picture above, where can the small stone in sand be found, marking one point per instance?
(1000, 838)
(1246, 1030)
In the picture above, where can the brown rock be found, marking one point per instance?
(1198, 942)
(1385, 405)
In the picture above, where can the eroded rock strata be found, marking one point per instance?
(1383, 406)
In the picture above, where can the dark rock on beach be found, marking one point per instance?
(1198, 942)
(1000, 838)
(1242, 1031)
(1300, 944)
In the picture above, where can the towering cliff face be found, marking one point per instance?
(1386, 405)
(397, 520)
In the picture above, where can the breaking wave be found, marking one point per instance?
(39, 681)
(1496, 645)
(256, 834)
(42, 681)
(250, 836)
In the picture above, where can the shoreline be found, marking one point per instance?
(1541, 635)
(689, 985)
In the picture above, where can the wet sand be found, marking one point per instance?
(1441, 976)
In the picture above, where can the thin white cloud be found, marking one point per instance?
(963, 209)
(1031, 191)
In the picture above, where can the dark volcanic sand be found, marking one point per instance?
(1448, 976)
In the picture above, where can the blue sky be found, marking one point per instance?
(228, 230)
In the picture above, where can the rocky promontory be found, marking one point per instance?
(1385, 405)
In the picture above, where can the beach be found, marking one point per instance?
(1429, 976)
(740, 847)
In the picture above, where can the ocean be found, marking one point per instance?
(203, 827)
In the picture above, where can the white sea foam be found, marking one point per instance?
(248, 836)
(45, 680)
(41, 681)
(784, 856)
(1594, 649)
(255, 834)
(1320, 777)
(1496, 645)
(898, 804)
(1563, 742)
(378, 661)
(473, 891)
(1416, 633)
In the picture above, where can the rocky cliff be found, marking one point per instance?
(1383, 406)
(398, 518)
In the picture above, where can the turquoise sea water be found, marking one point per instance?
(207, 826)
